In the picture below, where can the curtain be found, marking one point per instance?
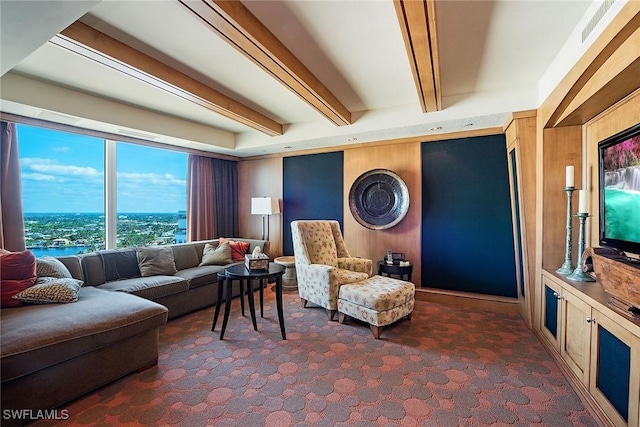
(212, 198)
(225, 198)
(11, 218)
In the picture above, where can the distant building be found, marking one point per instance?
(181, 233)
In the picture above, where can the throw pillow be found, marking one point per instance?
(238, 249)
(220, 255)
(17, 273)
(48, 290)
(48, 266)
(156, 261)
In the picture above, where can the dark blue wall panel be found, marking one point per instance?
(467, 235)
(312, 189)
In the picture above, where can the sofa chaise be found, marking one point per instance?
(54, 353)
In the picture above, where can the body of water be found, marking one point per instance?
(67, 250)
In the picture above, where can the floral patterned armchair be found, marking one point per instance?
(323, 263)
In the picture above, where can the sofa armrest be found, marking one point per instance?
(360, 265)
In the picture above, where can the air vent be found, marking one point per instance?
(596, 18)
(50, 116)
(137, 134)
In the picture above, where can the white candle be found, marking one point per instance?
(582, 201)
(569, 180)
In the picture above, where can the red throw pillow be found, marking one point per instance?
(238, 249)
(17, 273)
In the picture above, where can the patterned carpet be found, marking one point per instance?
(445, 367)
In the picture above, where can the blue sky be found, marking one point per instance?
(64, 172)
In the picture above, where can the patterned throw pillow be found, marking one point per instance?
(238, 249)
(156, 261)
(48, 290)
(48, 266)
(220, 255)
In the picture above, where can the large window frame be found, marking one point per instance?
(110, 166)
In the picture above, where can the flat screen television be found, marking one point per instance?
(619, 168)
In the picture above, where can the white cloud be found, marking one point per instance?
(48, 166)
(151, 178)
(38, 177)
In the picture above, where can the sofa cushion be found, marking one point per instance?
(200, 276)
(238, 248)
(48, 290)
(118, 264)
(152, 287)
(59, 332)
(216, 254)
(48, 266)
(17, 273)
(156, 261)
(185, 255)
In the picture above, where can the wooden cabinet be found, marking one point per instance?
(598, 346)
(551, 316)
(564, 324)
(574, 344)
(615, 369)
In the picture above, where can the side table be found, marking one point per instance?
(240, 272)
(289, 279)
(395, 269)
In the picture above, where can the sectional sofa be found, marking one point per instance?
(54, 353)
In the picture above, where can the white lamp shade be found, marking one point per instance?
(265, 206)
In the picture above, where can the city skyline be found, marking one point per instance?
(63, 172)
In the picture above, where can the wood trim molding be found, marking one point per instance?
(418, 26)
(233, 22)
(88, 42)
(411, 139)
(469, 300)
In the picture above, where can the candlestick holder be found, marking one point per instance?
(567, 266)
(578, 274)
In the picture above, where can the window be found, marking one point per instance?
(63, 193)
(151, 192)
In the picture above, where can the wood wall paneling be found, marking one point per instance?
(561, 147)
(260, 178)
(404, 160)
(521, 135)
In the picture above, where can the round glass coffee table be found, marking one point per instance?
(240, 272)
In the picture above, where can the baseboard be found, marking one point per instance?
(469, 300)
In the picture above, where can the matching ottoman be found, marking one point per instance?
(378, 301)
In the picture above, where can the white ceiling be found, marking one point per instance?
(492, 56)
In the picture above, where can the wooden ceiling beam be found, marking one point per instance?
(232, 21)
(417, 20)
(85, 40)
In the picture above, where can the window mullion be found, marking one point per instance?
(110, 194)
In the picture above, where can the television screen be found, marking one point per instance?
(620, 190)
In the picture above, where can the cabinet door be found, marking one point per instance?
(615, 360)
(576, 335)
(550, 320)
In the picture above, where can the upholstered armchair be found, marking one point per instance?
(323, 263)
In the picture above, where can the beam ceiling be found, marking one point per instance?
(86, 41)
(232, 21)
(418, 24)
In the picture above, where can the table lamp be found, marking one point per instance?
(265, 206)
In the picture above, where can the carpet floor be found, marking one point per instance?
(447, 366)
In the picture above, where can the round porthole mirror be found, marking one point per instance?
(379, 199)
